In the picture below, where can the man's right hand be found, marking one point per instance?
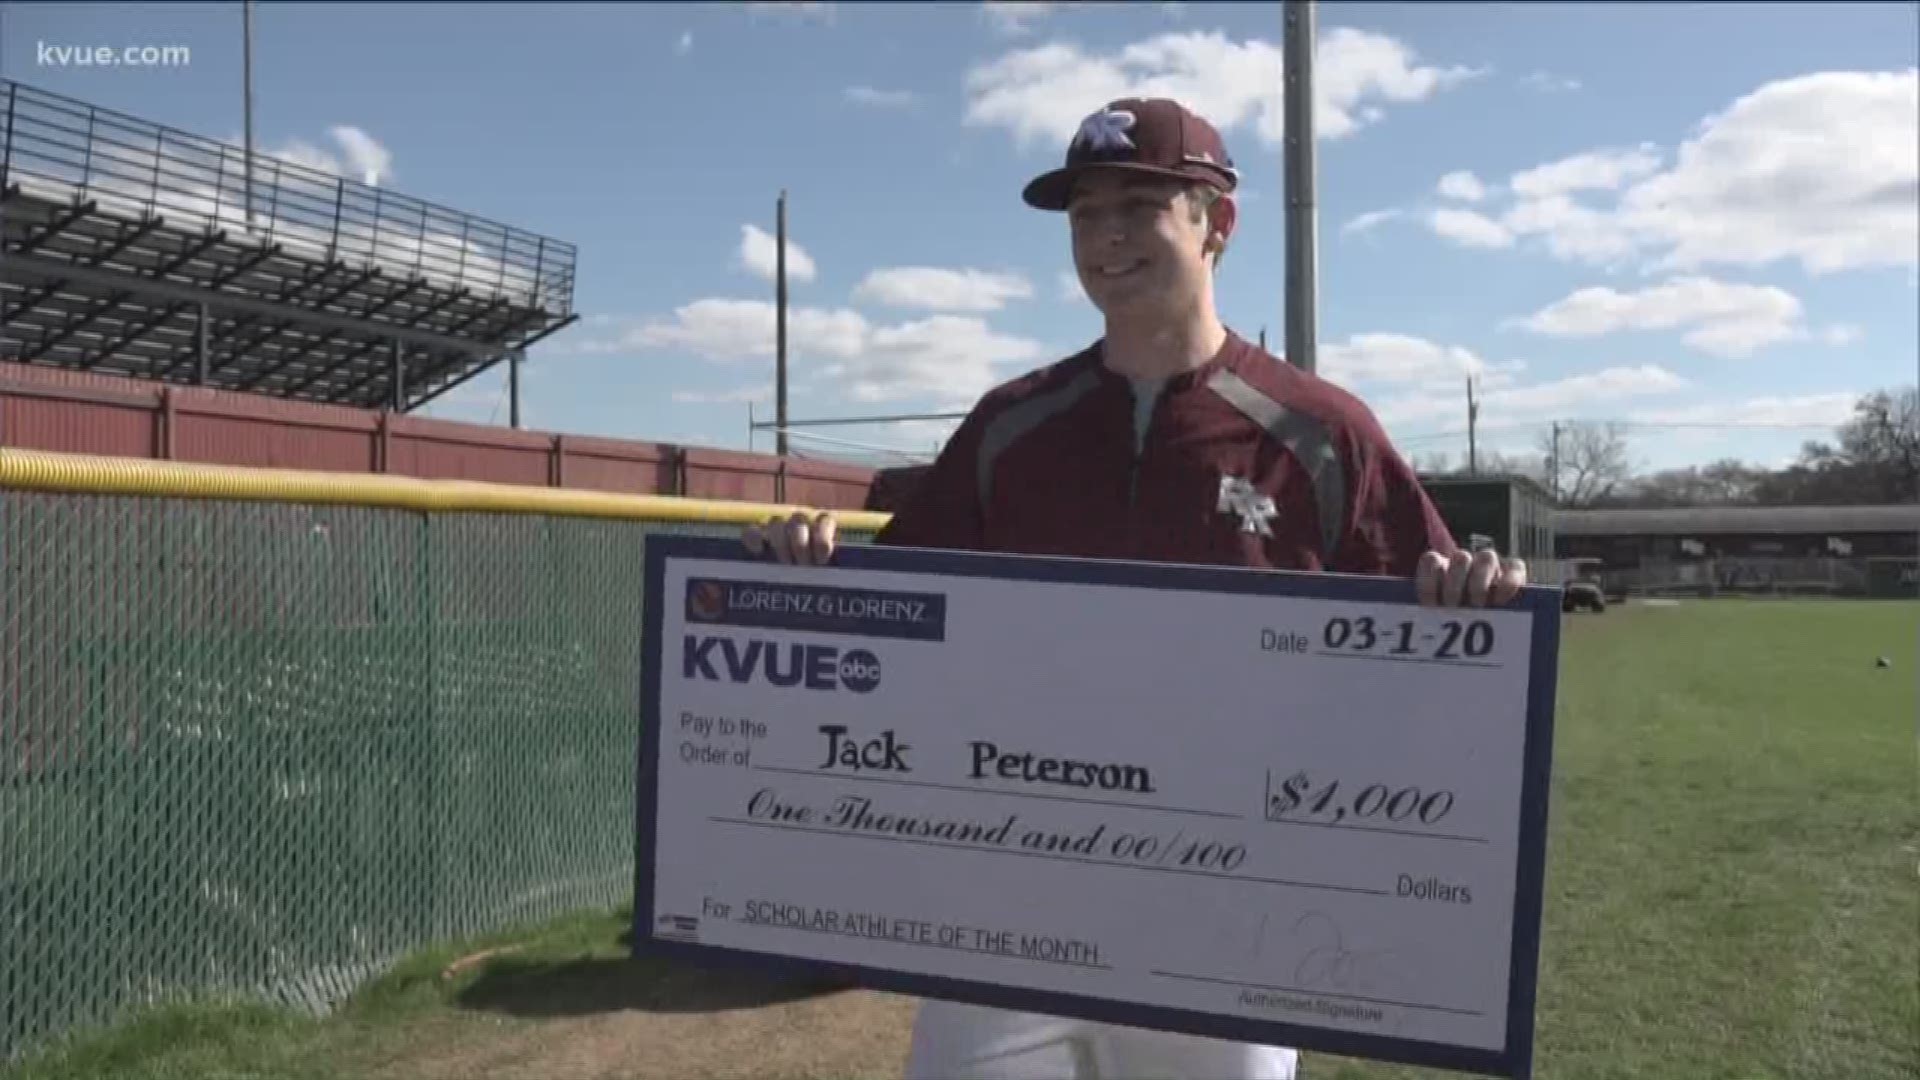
(799, 539)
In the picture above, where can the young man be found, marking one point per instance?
(1170, 439)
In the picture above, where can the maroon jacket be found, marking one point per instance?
(1045, 465)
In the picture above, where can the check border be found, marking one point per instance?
(1514, 1060)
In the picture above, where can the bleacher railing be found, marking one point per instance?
(58, 148)
(263, 733)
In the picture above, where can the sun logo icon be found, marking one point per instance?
(706, 601)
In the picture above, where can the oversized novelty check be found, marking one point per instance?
(1289, 809)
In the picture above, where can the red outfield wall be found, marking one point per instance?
(83, 413)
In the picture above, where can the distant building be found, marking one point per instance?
(1625, 538)
(1853, 550)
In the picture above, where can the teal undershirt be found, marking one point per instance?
(1146, 392)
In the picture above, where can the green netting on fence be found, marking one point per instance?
(268, 749)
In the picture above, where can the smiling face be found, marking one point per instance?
(1141, 243)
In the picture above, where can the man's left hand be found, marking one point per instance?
(1469, 579)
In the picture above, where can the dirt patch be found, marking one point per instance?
(610, 1016)
(849, 1035)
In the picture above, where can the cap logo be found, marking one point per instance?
(1105, 131)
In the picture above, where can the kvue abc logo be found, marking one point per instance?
(816, 667)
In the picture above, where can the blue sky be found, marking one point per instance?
(1670, 214)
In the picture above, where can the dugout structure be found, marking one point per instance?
(1512, 514)
(1866, 551)
(132, 249)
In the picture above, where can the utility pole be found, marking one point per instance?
(1473, 419)
(514, 360)
(246, 68)
(1553, 463)
(780, 327)
(1302, 241)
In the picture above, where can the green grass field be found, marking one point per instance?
(1733, 891)
(1733, 883)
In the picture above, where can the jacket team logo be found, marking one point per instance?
(1255, 510)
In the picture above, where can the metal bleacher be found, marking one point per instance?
(132, 249)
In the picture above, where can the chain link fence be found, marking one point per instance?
(267, 749)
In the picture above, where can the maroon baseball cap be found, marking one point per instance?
(1156, 136)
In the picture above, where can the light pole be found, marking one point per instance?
(246, 69)
(1302, 239)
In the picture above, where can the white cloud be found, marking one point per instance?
(1841, 334)
(950, 359)
(1727, 320)
(937, 289)
(1370, 220)
(880, 99)
(1070, 288)
(1808, 410)
(760, 250)
(1545, 207)
(1538, 402)
(1408, 379)
(362, 157)
(1549, 82)
(1402, 359)
(727, 330)
(1823, 169)
(1469, 228)
(1820, 169)
(1462, 185)
(1041, 94)
(1609, 384)
(365, 155)
(1015, 17)
(823, 12)
(1571, 231)
(685, 44)
(740, 395)
(1595, 170)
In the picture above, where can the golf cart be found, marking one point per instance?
(1581, 590)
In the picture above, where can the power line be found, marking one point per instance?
(843, 420)
(1756, 425)
(872, 448)
(1729, 425)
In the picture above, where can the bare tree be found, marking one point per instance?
(1726, 482)
(1587, 461)
(1875, 459)
(1487, 463)
(1882, 441)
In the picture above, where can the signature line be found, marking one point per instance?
(1318, 993)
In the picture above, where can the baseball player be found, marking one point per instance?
(1171, 438)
